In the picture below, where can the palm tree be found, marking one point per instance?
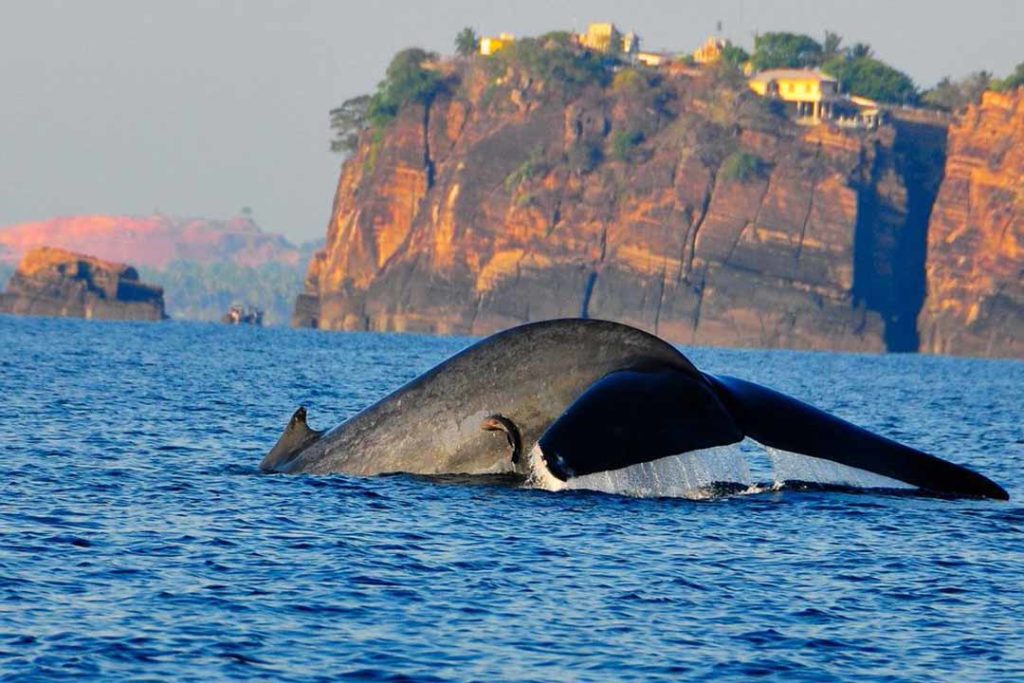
(466, 42)
(830, 46)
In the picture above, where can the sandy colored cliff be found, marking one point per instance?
(678, 202)
(975, 272)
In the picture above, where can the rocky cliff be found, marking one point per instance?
(677, 202)
(55, 282)
(975, 271)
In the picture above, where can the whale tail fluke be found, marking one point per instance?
(297, 436)
(631, 417)
(785, 423)
(634, 416)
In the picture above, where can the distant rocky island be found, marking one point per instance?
(60, 283)
(204, 265)
(557, 176)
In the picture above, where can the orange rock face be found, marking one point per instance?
(55, 282)
(975, 303)
(153, 241)
(685, 206)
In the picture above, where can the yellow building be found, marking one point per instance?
(711, 51)
(602, 38)
(631, 44)
(652, 58)
(812, 92)
(816, 97)
(490, 44)
(857, 111)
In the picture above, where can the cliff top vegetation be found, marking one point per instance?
(416, 76)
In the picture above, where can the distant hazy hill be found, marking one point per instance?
(203, 265)
(154, 241)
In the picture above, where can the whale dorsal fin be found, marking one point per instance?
(296, 438)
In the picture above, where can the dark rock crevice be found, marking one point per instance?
(428, 162)
(690, 245)
(588, 292)
(891, 233)
(921, 158)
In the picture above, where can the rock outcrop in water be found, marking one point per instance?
(204, 265)
(55, 282)
(677, 202)
(975, 301)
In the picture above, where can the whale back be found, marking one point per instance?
(529, 374)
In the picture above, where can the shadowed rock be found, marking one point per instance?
(54, 282)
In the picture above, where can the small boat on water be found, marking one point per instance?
(242, 315)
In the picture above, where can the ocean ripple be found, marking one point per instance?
(140, 541)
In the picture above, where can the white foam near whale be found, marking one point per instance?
(694, 475)
(689, 475)
(788, 466)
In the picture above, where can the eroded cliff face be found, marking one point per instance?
(55, 282)
(975, 273)
(684, 206)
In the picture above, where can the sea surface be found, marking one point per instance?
(138, 540)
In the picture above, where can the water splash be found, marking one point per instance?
(788, 466)
(695, 475)
(701, 474)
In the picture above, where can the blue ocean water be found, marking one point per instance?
(139, 541)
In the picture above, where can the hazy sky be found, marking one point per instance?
(201, 108)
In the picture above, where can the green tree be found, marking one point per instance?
(950, 95)
(205, 291)
(553, 58)
(407, 80)
(859, 50)
(347, 121)
(628, 80)
(624, 144)
(870, 77)
(734, 55)
(785, 50)
(466, 42)
(1014, 80)
(535, 166)
(556, 38)
(830, 48)
(743, 167)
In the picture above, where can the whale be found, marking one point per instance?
(565, 399)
